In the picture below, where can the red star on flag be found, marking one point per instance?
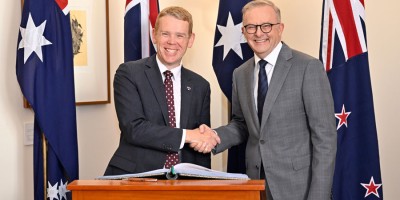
(371, 187)
(342, 117)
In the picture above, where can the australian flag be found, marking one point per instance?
(344, 53)
(46, 77)
(230, 51)
(140, 19)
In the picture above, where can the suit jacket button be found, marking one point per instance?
(262, 141)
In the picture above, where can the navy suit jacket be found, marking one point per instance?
(141, 108)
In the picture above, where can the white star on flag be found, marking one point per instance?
(371, 187)
(52, 192)
(62, 190)
(231, 38)
(33, 39)
(342, 117)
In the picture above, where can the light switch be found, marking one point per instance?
(28, 133)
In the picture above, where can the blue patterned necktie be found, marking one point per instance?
(262, 88)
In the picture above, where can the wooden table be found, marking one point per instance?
(166, 189)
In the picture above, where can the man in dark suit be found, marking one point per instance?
(155, 123)
(281, 102)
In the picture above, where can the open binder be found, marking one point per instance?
(181, 171)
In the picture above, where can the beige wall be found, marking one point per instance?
(97, 124)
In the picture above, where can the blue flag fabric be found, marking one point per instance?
(230, 51)
(344, 53)
(230, 47)
(140, 17)
(45, 74)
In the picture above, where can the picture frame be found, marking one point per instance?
(90, 30)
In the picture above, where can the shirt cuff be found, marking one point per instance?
(183, 139)
(214, 150)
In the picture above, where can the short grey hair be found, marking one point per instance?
(259, 3)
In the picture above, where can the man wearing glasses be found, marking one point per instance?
(283, 105)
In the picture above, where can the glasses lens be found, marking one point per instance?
(251, 29)
(266, 28)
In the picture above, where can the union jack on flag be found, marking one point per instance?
(140, 19)
(343, 50)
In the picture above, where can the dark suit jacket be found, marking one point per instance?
(141, 108)
(296, 141)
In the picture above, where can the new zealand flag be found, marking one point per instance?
(140, 19)
(344, 53)
(230, 51)
(46, 77)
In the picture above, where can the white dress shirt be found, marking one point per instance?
(269, 68)
(176, 82)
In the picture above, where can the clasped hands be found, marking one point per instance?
(202, 139)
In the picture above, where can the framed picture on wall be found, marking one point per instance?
(90, 36)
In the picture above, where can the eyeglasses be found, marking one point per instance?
(265, 28)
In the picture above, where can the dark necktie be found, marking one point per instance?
(172, 158)
(262, 88)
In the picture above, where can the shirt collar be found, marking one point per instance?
(272, 57)
(176, 71)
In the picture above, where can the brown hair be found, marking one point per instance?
(177, 12)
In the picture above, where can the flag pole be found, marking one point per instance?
(44, 152)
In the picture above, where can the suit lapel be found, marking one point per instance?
(153, 75)
(186, 96)
(249, 83)
(279, 75)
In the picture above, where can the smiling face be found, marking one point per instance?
(172, 38)
(262, 43)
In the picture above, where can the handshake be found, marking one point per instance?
(202, 139)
